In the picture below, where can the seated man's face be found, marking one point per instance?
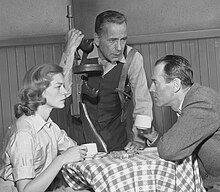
(162, 92)
(112, 41)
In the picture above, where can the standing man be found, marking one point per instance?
(197, 130)
(112, 52)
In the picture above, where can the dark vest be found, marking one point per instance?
(105, 110)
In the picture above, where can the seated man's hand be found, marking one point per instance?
(134, 146)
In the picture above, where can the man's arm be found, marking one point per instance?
(67, 62)
(73, 37)
(142, 98)
(197, 122)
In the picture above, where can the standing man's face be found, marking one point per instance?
(112, 41)
(162, 92)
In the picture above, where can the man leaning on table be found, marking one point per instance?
(110, 51)
(197, 128)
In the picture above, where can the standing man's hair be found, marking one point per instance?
(176, 66)
(109, 16)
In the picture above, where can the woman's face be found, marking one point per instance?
(55, 94)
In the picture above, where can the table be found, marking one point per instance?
(145, 171)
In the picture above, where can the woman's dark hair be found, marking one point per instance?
(36, 80)
(176, 66)
(109, 16)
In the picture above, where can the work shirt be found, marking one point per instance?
(137, 78)
(31, 146)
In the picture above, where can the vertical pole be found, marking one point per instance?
(69, 16)
(76, 79)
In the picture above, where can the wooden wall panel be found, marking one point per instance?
(211, 61)
(30, 59)
(6, 112)
(57, 52)
(48, 54)
(1, 118)
(203, 62)
(201, 48)
(12, 79)
(39, 54)
(195, 59)
(217, 57)
(21, 63)
(14, 62)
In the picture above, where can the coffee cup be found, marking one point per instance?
(91, 149)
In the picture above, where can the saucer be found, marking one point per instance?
(100, 155)
(89, 158)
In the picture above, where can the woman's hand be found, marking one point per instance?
(74, 154)
(73, 40)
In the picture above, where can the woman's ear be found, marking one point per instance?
(176, 84)
(96, 39)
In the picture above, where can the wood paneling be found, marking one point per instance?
(200, 48)
(14, 62)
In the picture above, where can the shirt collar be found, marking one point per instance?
(181, 104)
(39, 122)
(178, 112)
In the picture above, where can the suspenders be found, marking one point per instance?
(124, 87)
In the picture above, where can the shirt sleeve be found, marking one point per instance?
(67, 63)
(142, 98)
(64, 141)
(22, 157)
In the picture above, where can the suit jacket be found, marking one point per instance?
(196, 131)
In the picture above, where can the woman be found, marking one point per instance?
(36, 148)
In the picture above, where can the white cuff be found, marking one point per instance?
(143, 121)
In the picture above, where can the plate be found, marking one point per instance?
(89, 158)
(148, 149)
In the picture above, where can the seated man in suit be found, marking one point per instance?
(197, 130)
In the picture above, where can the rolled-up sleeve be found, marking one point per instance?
(64, 141)
(67, 63)
(142, 98)
(22, 158)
